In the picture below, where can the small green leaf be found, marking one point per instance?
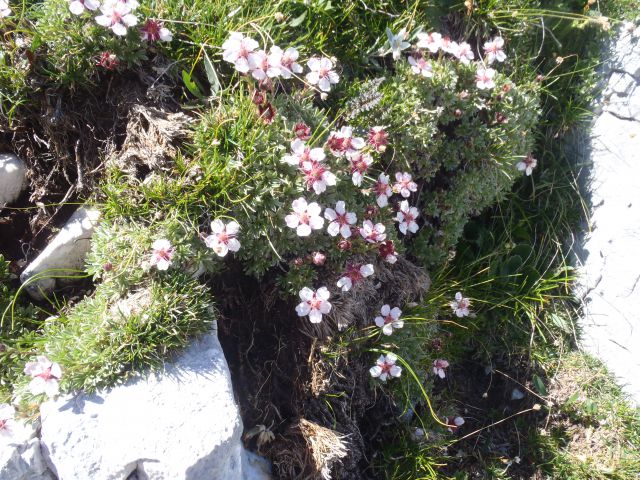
(539, 384)
(298, 20)
(190, 84)
(212, 76)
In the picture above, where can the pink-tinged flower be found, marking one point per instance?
(262, 66)
(430, 41)
(322, 73)
(77, 7)
(464, 53)
(315, 304)
(343, 141)
(453, 423)
(373, 233)
(302, 131)
(340, 220)
(448, 46)
(460, 305)
(493, 50)
(406, 218)
(108, 61)
(7, 413)
(360, 162)
(397, 42)
(386, 367)
(382, 190)
(223, 238)
(404, 185)
(305, 217)
(421, 66)
(389, 319)
(301, 154)
(45, 376)
(484, 78)
(527, 165)
(318, 258)
(353, 275)
(162, 254)
(117, 16)
(317, 176)
(154, 30)
(286, 60)
(237, 49)
(439, 367)
(378, 138)
(387, 251)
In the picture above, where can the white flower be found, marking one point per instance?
(389, 319)
(162, 254)
(317, 176)
(77, 7)
(382, 190)
(237, 49)
(439, 367)
(421, 66)
(353, 275)
(360, 162)
(315, 304)
(484, 78)
(340, 220)
(305, 217)
(46, 375)
(430, 41)
(223, 237)
(342, 142)
(302, 153)
(493, 50)
(404, 185)
(5, 11)
(321, 73)
(406, 217)
(117, 16)
(386, 367)
(12, 430)
(372, 233)
(460, 305)
(262, 66)
(154, 30)
(397, 42)
(464, 53)
(286, 60)
(527, 165)
(448, 46)
(454, 423)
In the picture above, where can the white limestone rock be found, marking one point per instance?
(20, 455)
(180, 423)
(13, 173)
(67, 251)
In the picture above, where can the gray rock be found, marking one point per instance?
(21, 458)
(179, 423)
(13, 174)
(64, 255)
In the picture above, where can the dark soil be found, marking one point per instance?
(280, 376)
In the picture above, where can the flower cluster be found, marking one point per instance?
(119, 16)
(222, 240)
(247, 58)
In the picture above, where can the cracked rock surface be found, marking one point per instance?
(610, 267)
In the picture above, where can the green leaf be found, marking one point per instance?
(212, 76)
(298, 20)
(190, 84)
(539, 385)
